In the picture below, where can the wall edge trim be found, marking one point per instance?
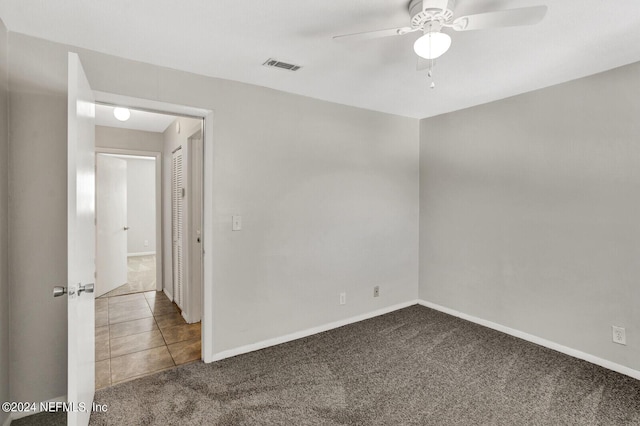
(142, 253)
(308, 332)
(574, 353)
(169, 295)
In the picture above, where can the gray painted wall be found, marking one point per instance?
(137, 140)
(37, 189)
(328, 194)
(141, 205)
(529, 213)
(4, 236)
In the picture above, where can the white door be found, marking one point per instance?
(177, 226)
(111, 215)
(80, 244)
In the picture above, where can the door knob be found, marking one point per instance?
(86, 288)
(59, 291)
(126, 228)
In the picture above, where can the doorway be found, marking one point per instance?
(128, 223)
(140, 329)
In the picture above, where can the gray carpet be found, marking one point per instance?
(415, 366)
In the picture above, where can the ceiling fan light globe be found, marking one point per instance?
(122, 114)
(432, 45)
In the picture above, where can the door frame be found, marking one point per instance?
(158, 174)
(206, 116)
(108, 267)
(194, 222)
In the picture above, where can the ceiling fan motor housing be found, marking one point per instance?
(425, 11)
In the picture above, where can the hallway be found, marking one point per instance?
(139, 334)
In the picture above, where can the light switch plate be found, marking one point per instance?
(236, 223)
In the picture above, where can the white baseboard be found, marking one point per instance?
(15, 416)
(308, 332)
(169, 295)
(537, 340)
(142, 253)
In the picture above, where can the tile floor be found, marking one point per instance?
(141, 276)
(139, 334)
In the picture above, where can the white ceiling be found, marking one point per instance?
(139, 120)
(231, 39)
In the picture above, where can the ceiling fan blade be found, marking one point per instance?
(502, 18)
(375, 34)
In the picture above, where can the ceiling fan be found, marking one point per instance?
(431, 16)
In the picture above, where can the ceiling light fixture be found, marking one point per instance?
(432, 44)
(122, 114)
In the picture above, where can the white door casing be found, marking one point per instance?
(111, 215)
(80, 244)
(194, 226)
(157, 155)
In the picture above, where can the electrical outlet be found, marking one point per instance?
(619, 335)
(343, 298)
(146, 243)
(376, 291)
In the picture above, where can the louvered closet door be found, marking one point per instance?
(177, 226)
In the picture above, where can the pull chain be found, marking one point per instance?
(430, 74)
